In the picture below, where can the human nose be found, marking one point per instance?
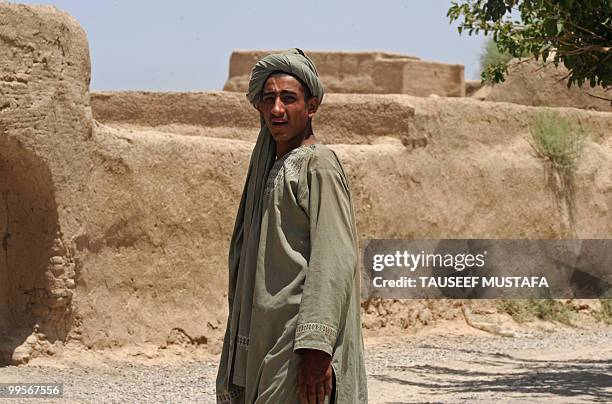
(278, 109)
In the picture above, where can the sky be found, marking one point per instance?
(185, 45)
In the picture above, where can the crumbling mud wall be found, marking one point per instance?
(419, 167)
(116, 229)
(107, 239)
(364, 73)
(455, 167)
(44, 118)
(36, 275)
(160, 216)
(354, 119)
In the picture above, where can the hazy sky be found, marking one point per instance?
(186, 45)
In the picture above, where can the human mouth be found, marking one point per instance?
(279, 122)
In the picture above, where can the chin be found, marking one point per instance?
(281, 137)
(276, 136)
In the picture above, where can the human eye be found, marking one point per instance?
(288, 98)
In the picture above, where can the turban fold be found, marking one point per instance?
(294, 62)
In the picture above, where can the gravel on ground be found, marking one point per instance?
(570, 366)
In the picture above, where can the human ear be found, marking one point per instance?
(313, 105)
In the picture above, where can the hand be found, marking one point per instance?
(315, 376)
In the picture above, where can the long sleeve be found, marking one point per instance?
(332, 262)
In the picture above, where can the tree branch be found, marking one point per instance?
(601, 98)
(589, 48)
(587, 31)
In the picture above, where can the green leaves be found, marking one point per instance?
(550, 27)
(493, 63)
(580, 33)
(494, 73)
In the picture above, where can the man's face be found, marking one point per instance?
(284, 109)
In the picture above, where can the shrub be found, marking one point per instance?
(528, 309)
(558, 140)
(605, 314)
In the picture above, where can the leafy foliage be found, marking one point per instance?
(577, 33)
(491, 56)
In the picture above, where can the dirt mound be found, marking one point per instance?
(529, 83)
(507, 318)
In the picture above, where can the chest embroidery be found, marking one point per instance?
(288, 165)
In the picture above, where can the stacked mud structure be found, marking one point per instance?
(116, 208)
(364, 73)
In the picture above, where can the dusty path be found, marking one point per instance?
(571, 366)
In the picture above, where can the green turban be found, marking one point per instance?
(294, 62)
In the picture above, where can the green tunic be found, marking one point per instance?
(301, 291)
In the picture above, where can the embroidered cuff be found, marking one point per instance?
(317, 336)
(228, 396)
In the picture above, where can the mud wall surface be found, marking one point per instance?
(364, 73)
(423, 151)
(419, 167)
(115, 230)
(29, 288)
(45, 121)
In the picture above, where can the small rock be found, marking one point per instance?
(57, 259)
(425, 316)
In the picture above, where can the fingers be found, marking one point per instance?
(312, 393)
(302, 390)
(320, 393)
(328, 381)
(315, 379)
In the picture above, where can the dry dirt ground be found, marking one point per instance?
(448, 363)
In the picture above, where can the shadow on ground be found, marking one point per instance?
(590, 380)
